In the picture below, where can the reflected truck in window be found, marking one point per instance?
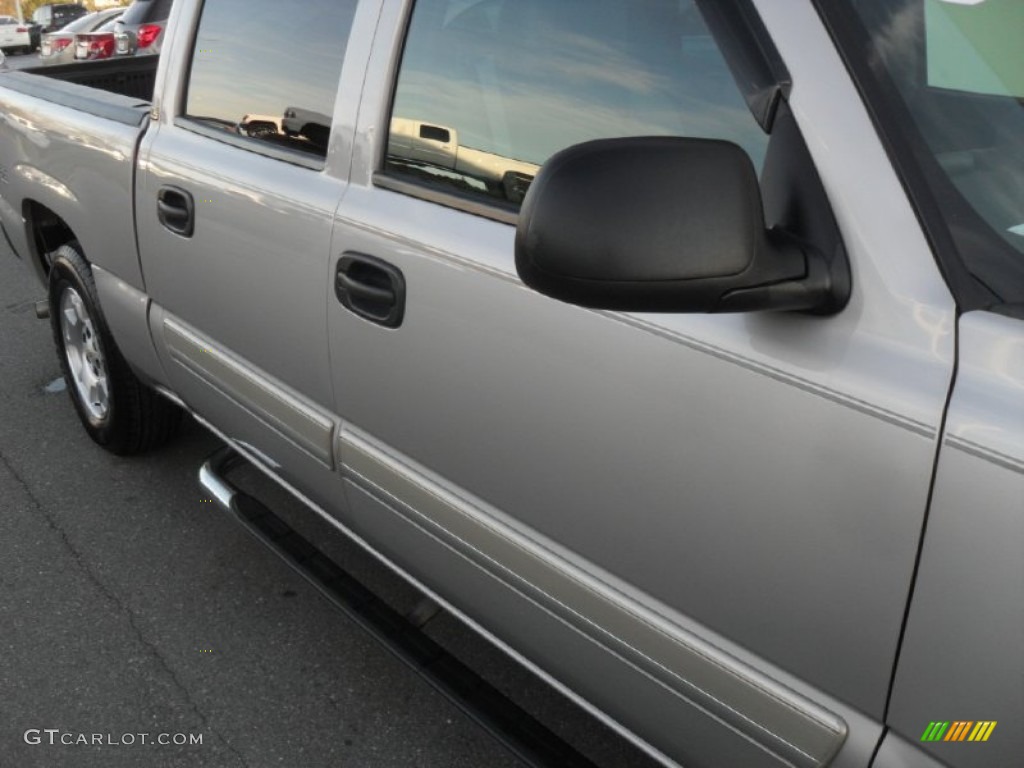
(676, 346)
(434, 150)
(304, 122)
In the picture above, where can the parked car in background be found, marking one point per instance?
(141, 30)
(14, 35)
(90, 46)
(59, 47)
(54, 16)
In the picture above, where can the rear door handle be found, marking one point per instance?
(176, 210)
(371, 288)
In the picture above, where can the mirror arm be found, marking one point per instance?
(823, 288)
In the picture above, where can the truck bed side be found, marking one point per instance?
(67, 162)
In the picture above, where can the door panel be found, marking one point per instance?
(961, 658)
(254, 275)
(234, 216)
(648, 450)
(757, 482)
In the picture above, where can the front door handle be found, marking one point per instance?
(371, 288)
(176, 210)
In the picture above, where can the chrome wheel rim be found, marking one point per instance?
(85, 357)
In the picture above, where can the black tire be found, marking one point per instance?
(261, 130)
(118, 411)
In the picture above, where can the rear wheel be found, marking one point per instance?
(118, 411)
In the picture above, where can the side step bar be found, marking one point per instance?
(524, 736)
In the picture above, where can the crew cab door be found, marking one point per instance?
(234, 221)
(704, 525)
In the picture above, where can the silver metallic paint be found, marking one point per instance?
(900, 753)
(78, 165)
(577, 396)
(261, 251)
(423, 546)
(252, 431)
(961, 659)
(309, 427)
(843, 411)
(125, 310)
(776, 718)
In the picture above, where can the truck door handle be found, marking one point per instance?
(371, 288)
(176, 210)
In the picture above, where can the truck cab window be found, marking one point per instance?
(263, 73)
(489, 89)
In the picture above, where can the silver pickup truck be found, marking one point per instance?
(703, 397)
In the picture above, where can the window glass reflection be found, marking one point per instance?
(959, 70)
(489, 89)
(269, 71)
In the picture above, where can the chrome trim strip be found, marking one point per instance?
(308, 427)
(789, 726)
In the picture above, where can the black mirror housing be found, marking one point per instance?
(663, 224)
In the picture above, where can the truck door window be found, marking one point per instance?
(489, 89)
(268, 73)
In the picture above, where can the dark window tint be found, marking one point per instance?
(145, 11)
(489, 89)
(262, 72)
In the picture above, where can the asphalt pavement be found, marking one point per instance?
(133, 613)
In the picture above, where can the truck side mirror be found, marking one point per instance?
(664, 224)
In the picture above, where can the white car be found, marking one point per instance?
(14, 35)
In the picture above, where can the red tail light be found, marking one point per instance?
(59, 44)
(22, 29)
(97, 46)
(104, 48)
(147, 34)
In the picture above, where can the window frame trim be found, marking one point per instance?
(895, 129)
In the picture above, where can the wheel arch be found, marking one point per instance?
(47, 232)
